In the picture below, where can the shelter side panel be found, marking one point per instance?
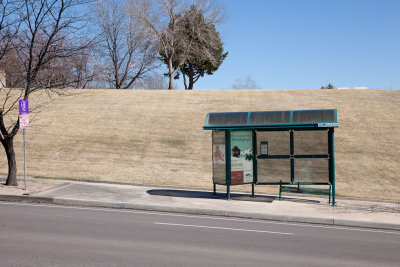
(218, 157)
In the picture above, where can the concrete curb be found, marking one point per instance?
(199, 211)
(366, 224)
(30, 199)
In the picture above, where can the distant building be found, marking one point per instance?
(355, 88)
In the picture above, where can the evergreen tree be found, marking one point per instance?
(198, 62)
(206, 51)
(329, 86)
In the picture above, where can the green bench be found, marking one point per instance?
(297, 188)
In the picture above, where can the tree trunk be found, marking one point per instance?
(171, 81)
(190, 83)
(191, 78)
(8, 145)
(184, 79)
(171, 74)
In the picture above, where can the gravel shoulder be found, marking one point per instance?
(32, 187)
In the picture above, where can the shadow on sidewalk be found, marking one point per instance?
(208, 195)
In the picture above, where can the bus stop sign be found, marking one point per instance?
(23, 114)
(23, 107)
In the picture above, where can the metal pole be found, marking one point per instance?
(331, 138)
(255, 178)
(333, 167)
(291, 157)
(24, 157)
(228, 163)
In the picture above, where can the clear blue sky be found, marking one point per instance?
(304, 44)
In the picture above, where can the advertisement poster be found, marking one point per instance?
(241, 157)
(219, 154)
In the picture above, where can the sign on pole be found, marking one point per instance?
(24, 123)
(23, 107)
(23, 114)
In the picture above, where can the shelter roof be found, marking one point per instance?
(259, 120)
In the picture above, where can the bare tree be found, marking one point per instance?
(43, 40)
(84, 70)
(12, 69)
(9, 25)
(128, 52)
(245, 83)
(153, 81)
(162, 21)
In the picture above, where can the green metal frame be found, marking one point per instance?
(228, 163)
(304, 190)
(292, 158)
(331, 151)
(255, 172)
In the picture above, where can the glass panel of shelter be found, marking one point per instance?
(273, 157)
(311, 156)
(311, 142)
(309, 162)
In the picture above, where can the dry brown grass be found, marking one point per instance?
(156, 137)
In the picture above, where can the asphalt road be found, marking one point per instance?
(41, 235)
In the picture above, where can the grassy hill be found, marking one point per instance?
(156, 137)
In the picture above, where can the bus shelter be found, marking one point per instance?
(291, 148)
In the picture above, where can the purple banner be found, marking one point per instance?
(23, 107)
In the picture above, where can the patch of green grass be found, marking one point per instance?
(135, 141)
(173, 142)
(67, 178)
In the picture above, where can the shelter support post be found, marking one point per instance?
(331, 139)
(291, 157)
(215, 189)
(228, 163)
(255, 179)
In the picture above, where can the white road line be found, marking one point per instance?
(222, 228)
(206, 217)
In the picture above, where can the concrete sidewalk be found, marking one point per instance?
(380, 215)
